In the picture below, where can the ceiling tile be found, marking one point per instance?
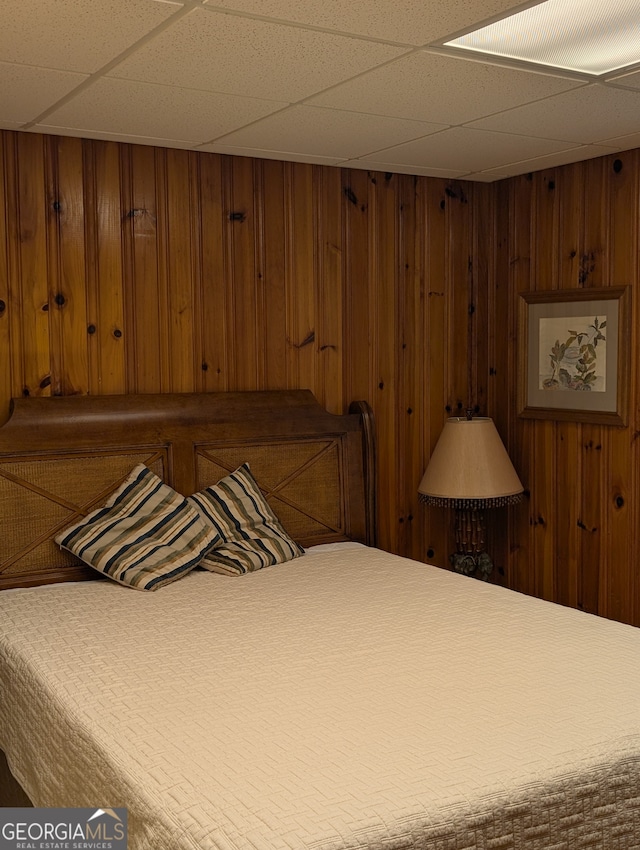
(75, 35)
(460, 149)
(408, 22)
(485, 176)
(328, 132)
(241, 55)
(394, 168)
(321, 81)
(623, 143)
(552, 160)
(26, 92)
(627, 81)
(142, 109)
(429, 86)
(570, 115)
(128, 138)
(284, 156)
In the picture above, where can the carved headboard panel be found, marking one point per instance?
(61, 457)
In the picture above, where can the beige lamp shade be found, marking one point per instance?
(470, 467)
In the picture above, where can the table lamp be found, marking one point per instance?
(470, 471)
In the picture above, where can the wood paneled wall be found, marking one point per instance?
(136, 269)
(579, 539)
(139, 269)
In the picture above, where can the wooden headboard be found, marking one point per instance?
(60, 457)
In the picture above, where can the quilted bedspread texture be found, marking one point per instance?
(347, 699)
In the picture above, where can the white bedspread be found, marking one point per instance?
(347, 699)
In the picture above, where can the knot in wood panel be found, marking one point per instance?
(350, 195)
(310, 337)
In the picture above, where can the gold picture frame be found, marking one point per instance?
(573, 355)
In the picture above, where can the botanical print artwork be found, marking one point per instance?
(573, 353)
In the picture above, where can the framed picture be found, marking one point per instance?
(573, 352)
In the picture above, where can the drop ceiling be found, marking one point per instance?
(360, 84)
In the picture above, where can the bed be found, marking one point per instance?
(345, 698)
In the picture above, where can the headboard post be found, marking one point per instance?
(363, 409)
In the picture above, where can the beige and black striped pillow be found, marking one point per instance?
(252, 535)
(145, 536)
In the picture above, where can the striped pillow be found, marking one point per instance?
(252, 536)
(145, 536)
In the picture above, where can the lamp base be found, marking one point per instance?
(471, 558)
(479, 565)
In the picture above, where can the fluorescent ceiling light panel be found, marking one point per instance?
(590, 36)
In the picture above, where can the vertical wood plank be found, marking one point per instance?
(502, 372)
(197, 381)
(105, 283)
(386, 288)
(623, 260)
(545, 276)
(591, 520)
(436, 357)
(144, 336)
(242, 320)
(302, 342)
(66, 266)
(31, 267)
(181, 272)
(259, 203)
(411, 379)
(213, 361)
(496, 334)
(570, 186)
(14, 307)
(567, 512)
(357, 341)
(459, 277)
(484, 339)
(331, 286)
(163, 282)
(5, 300)
(519, 272)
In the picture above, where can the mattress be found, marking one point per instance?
(346, 699)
